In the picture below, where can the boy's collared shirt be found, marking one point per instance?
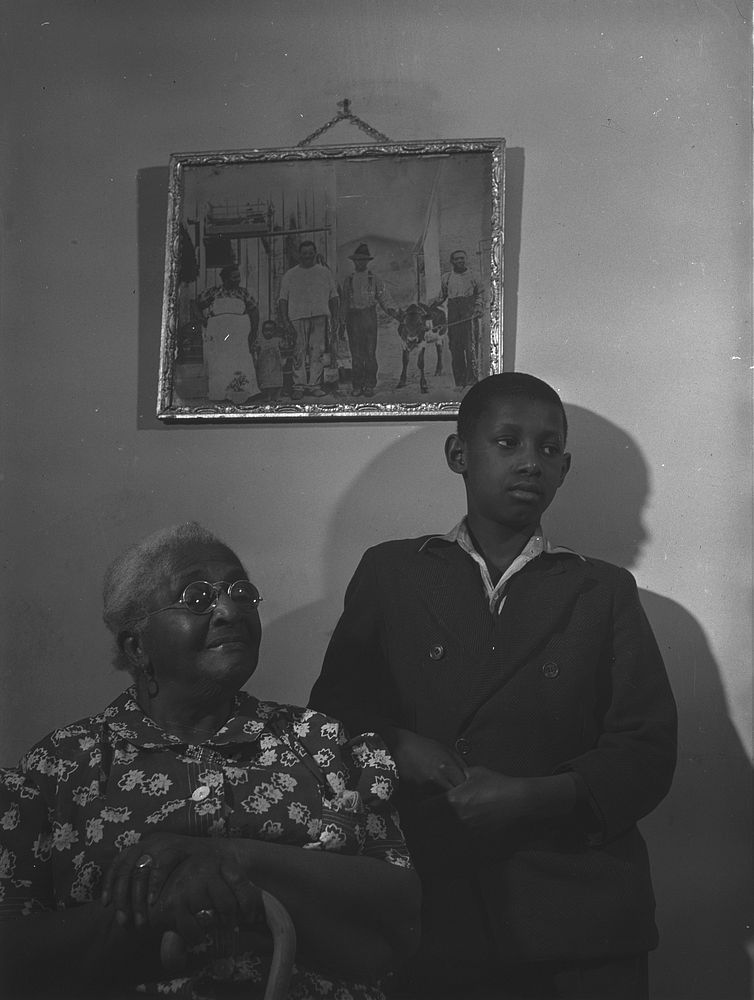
(496, 592)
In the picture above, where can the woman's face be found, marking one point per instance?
(202, 655)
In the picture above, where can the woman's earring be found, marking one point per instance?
(153, 688)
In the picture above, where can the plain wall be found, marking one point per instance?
(628, 286)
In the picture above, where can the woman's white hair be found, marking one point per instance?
(133, 577)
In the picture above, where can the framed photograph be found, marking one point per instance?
(332, 283)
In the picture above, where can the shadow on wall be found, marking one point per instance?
(152, 214)
(699, 837)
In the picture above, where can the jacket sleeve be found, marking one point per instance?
(354, 685)
(629, 769)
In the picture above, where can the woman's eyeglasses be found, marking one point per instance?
(201, 597)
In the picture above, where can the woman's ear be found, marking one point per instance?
(130, 643)
(455, 454)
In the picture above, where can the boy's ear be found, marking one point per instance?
(566, 466)
(455, 454)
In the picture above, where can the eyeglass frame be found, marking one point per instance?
(181, 604)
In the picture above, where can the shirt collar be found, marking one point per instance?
(537, 545)
(126, 720)
(461, 531)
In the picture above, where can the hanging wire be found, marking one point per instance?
(345, 114)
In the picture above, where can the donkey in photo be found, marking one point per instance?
(419, 325)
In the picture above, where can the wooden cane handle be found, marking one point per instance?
(284, 947)
(174, 954)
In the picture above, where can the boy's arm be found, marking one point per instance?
(628, 771)
(630, 768)
(353, 685)
(356, 685)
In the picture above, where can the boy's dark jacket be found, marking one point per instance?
(568, 678)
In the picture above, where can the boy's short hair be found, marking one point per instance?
(505, 384)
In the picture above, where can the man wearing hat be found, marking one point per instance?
(463, 294)
(361, 293)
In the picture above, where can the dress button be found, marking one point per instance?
(463, 746)
(200, 794)
(436, 652)
(550, 669)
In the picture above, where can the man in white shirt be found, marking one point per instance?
(464, 297)
(308, 298)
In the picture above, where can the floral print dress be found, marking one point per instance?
(273, 772)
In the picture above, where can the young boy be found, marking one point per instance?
(524, 698)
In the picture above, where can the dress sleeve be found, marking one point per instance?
(374, 777)
(358, 785)
(25, 847)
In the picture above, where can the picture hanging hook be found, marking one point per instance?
(345, 113)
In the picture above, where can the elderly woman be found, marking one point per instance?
(137, 845)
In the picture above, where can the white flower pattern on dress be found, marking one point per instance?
(95, 830)
(274, 772)
(86, 793)
(127, 839)
(10, 818)
(382, 788)
(63, 836)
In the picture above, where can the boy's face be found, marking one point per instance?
(513, 462)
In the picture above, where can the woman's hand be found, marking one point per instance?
(204, 895)
(423, 761)
(180, 883)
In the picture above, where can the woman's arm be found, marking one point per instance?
(355, 915)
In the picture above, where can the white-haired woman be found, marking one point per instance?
(165, 816)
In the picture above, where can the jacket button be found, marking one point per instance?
(436, 652)
(463, 746)
(550, 669)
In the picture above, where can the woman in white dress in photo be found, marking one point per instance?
(231, 319)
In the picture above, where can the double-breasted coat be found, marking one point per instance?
(568, 677)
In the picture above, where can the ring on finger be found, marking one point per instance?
(205, 918)
(144, 862)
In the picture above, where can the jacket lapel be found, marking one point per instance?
(539, 598)
(451, 589)
(535, 615)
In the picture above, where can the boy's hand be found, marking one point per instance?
(423, 761)
(491, 802)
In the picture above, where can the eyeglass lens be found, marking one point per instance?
(200, 597)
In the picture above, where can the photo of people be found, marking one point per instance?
(339, 285)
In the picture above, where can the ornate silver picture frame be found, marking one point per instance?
(332, 283)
